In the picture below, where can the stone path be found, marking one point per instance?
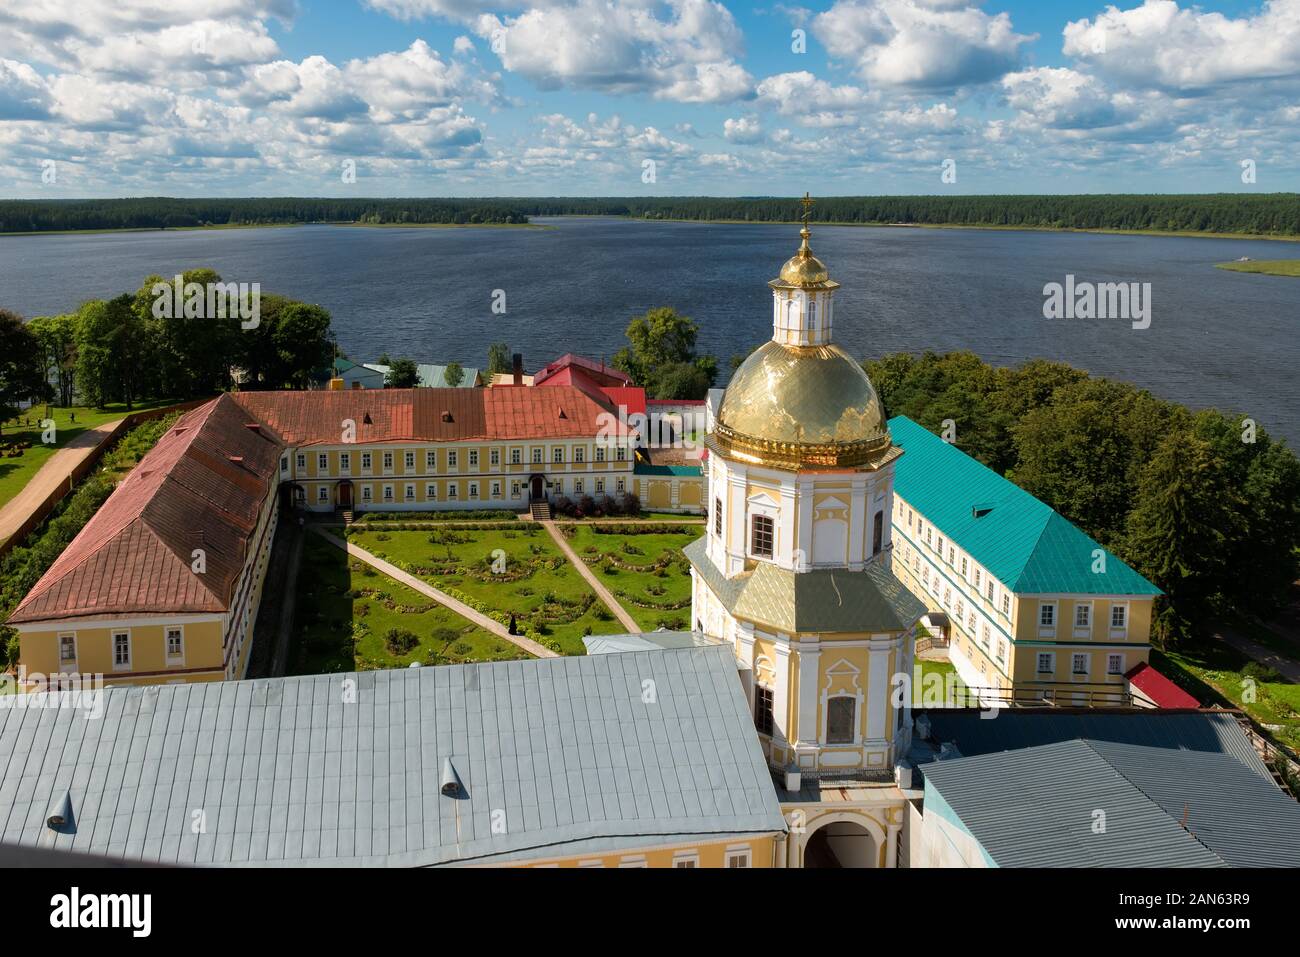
(601, 591)
(442, 598)
(50, 476)
(1289, 668)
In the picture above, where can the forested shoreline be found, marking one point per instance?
(1262, 214)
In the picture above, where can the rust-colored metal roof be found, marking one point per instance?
(200, 487)
(425, 415)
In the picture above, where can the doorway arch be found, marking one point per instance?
(842, 840)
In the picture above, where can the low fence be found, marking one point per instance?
(83, 468)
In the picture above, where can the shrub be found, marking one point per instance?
(399, 641)
(1260, 672)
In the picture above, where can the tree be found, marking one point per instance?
(661, 356)
(57, 336)
(402, 374)
(301, 343)
(1179, 532)
(454, 375)
(498, 359)
(682, 380)
(22, 366)
(192, 351)
(111, 351)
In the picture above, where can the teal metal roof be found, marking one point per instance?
(640, 468)
(1022, 542)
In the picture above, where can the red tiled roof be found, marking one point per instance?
(134, 556)
(600, 373)
(426, 415)
(1158, 688)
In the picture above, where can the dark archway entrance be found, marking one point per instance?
(536, 488)
(840, 844)
(345, 494)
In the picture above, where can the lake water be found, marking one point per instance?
(1216, 337)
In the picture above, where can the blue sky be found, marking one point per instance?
(588, 97)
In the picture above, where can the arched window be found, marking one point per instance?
(878, 533)
(812, 315)
(792, 314)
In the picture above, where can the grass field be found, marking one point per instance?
(668, 584)
(1268, 267)
(345, 609)
(535, 582)
(15, 472)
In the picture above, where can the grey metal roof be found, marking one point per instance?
(646, 641)
(1015, 728)
(1041, 807)
(557, 753)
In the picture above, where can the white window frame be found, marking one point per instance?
(600, 486)
(388, 462)
(1047, 629)
(409, 492)
(636, 860)
(453, 491)
(580, 454)
(366, 462)
(1083, 630)
(179, 657)
(1087, 664)
(130, 649)
(302, 461)
(537, 455)
(365, 493)
(496, 489)
(473, 458)
(688, 859)
(408, 461)
(740, 853)
(430, 492)
(388, 493)
(284, 465)
(1051, 662)
(1111, 657)
(431, 460)
(473, 491)
(322, 463)
(1121, 631)
(600, 453)
(322, 494)
(453, 460)
(66, 661)
(494, 457)
(345, 463)
(577, 486)
(516, 456)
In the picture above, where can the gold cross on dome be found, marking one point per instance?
(807, 202)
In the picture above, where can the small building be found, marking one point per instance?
(432, 376)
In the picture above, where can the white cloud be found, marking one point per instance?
(810, 100)
(682, 50)
(920, 44)
(1160, 44)
(746, 129)
(23, 93)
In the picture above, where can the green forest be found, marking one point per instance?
(1270, 214)
(1205, 504)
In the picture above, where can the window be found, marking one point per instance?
(738, 857)
(365, 461)
(762, 535)
(1114, 664)
(1118, 616)
(345, 461)
(516, 490)
(619, 486)
(431, 460)
(1045, 663)
(686, 859)
(473, 489)
(453, 459)
(636, 861)
(763, 709)
(322, 462)
(600, 453)
(473, 458)
(175, 643)
(284, 463)
(323, 494)
(951, 555)
(577, 486)
(1079, 664)
(1006, 604)
(620, 453)
(963, 567)
(388, 493)
(600, 486)
(122, 649)
(580, 453)
(410, 492)
(452, 490)
(717, 516)
(970, 624)
(557, 454)
(878, 533)
(1046, 616)
(840, 714)
(516, 456)
(947, 597)
(67, 648)
(494, 457)
(985, 634)
(388, 461)
(940, 547)
(1082, 615)
(537, 456)
(961, 609)
(430, 492)
(408, 461)
(990, 591)
(977, 580)
(496, 489)
(365, 493)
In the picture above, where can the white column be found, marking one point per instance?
(858, 518)
(786, 544)
(745, 653)
(877, 691)
(808, 668)
(735, 518)
(781, 694)
(891, 847)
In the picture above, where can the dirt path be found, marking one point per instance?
(603, 593)
(442, 598)
(50, 476)
(1289, 668)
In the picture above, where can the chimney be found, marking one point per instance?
(518, 368)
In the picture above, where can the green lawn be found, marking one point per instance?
(1213, 675)
(926, 678)
(667, 583)
(345, 609)
(16, 471)
(1270, 267)
(537, 584)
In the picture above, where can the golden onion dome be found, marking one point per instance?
(793, 406)
(803, 269)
